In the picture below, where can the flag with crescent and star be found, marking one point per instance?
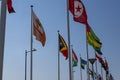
(77, 8)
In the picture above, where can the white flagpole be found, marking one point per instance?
(88, 76)
(2, 34)
(31, 45)
(69, 53)
(58, 58)
(80, 68)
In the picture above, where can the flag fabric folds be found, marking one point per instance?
(83, 63)
(77, 8)
(106, 67)
(38, 30)
(10, 7)
(63, 46)
(78, 11)
(98, 56)
(93, 40)
(74, 58)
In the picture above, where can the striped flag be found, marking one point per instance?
(93, 40)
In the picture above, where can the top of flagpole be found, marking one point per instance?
(31, 6)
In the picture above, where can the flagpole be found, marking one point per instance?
(2, 34)
(58, 58)
(72, 63)
(25, 64)
(80, 69)
(96, 64)
(88, 76)
(31, 45)
(101, 72)
(69, 54)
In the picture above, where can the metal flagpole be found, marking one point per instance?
(80, 69)
(92, 61)
(31, 45)
(25, 64)
(101, 72)
(96, 66)
(58, 58)
(88, 76)
(2, 34)
(69, 53)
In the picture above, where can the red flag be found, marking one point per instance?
(10, 7)
(106, 65)
(77, 8)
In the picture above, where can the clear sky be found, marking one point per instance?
(103, 17)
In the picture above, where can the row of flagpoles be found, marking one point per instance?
(77, 8)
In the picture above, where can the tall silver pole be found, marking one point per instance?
(88, 76)
(96, 66)
(58, 58)
(80, 69)
(69, 53)
(25, 64)
(2, 34)
(101, 72)
(31, 45)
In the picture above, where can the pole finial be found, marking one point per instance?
(58, 31)
(31, 6)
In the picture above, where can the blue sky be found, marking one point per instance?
(103, 17)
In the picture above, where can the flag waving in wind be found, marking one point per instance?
(77, 8)
(83, 63)
(63, 46)
(74, 58)
(10, 7)
(38, 30)
(93, 40)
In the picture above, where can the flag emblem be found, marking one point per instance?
(78, 9)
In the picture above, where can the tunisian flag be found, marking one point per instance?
(10, 7)
(77, 8)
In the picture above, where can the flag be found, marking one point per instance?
(77, 8)
(111, 77)
(93, 40)
(63, 46)
(106, 64)
(10, 7)
(98, 56)
(38, 30)
(90, 72)
(74, 58)
(106, 67)
(83, 63)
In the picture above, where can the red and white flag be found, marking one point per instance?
(77, 8)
